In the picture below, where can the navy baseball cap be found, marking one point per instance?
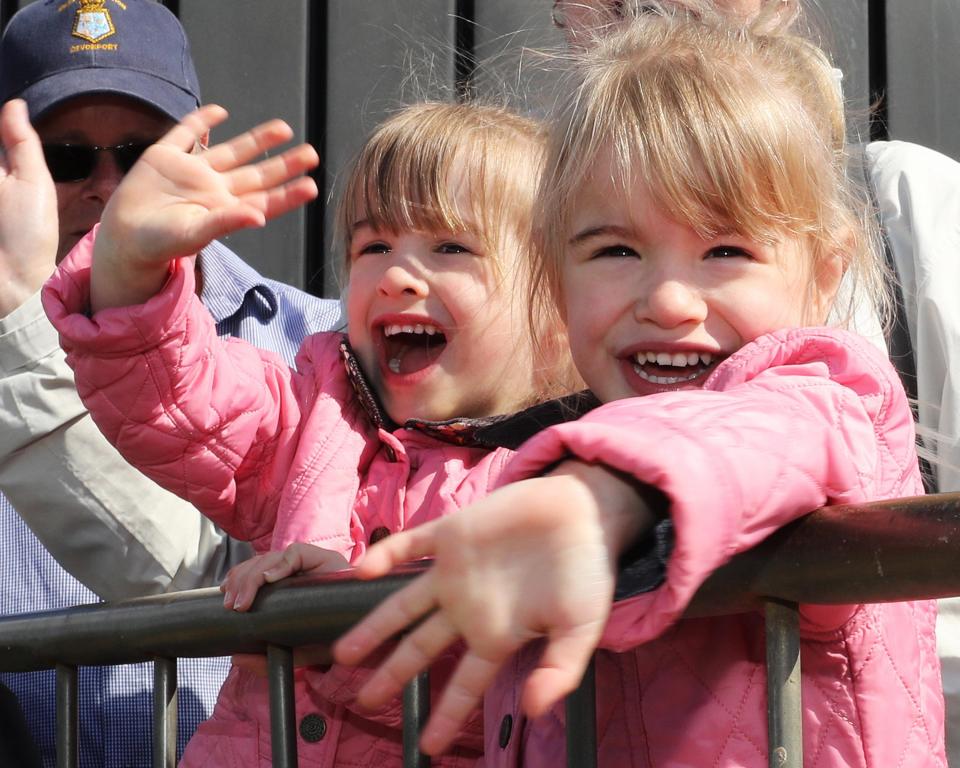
(55, 50)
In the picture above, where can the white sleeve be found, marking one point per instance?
(918, 194)
(108, 525)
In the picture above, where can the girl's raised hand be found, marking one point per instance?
(536, 558)
(178, 198)
(28, 209)
(243, 581)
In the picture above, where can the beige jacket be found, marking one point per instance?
(127, 536)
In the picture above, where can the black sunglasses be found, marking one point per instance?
(75, 162)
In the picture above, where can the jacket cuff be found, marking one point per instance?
(26, 336)
(643, 568)
(119, 331)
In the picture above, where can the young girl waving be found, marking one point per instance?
(375, 432)
(695, 223)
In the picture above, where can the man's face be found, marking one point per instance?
(101, 121)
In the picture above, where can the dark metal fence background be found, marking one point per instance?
(333, 68)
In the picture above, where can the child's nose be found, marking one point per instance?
(401, 279)
(672, 303)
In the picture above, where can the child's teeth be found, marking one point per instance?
(664, 380)
(676, 360)
(419, 328)
(394, 365)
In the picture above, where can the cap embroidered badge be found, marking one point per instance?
(93, 22)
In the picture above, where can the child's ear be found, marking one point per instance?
(826, 281)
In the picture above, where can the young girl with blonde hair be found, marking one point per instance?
(695, 222)
(382, 429)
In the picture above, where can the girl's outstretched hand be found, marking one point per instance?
(243, 581)
(176, 200)
(534, 559)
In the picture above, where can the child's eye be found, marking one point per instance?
(728, 252)
(376, 247)
(615, 252)
(453, 247)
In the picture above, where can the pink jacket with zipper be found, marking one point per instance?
(273, 456)
(793, 421)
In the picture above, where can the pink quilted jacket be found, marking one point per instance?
(273, 456)
(793, 421)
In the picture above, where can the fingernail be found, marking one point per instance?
(348, 648)
(227, 599)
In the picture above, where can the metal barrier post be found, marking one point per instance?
(164, 713)
(581, 711)
(67, 714)
(283, 734)
(416, 710)
(784, 710)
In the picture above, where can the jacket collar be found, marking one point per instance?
(229, 283)
(505, 431)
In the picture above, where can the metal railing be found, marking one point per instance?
(886, 551)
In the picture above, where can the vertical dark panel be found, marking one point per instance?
(464, 55)
(173, 5)
(316, 131)
(877, 13)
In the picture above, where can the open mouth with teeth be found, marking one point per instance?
(412, 348)
(672, 368)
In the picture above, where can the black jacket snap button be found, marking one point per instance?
(379, 534)
(313, 728)
(506, 728)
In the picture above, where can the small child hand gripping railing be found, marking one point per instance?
(881, 552)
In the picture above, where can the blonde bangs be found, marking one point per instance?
(399, 181)
(719, 148)
(408, 175)
(731, 132)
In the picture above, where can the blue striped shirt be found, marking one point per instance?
(116, 703)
